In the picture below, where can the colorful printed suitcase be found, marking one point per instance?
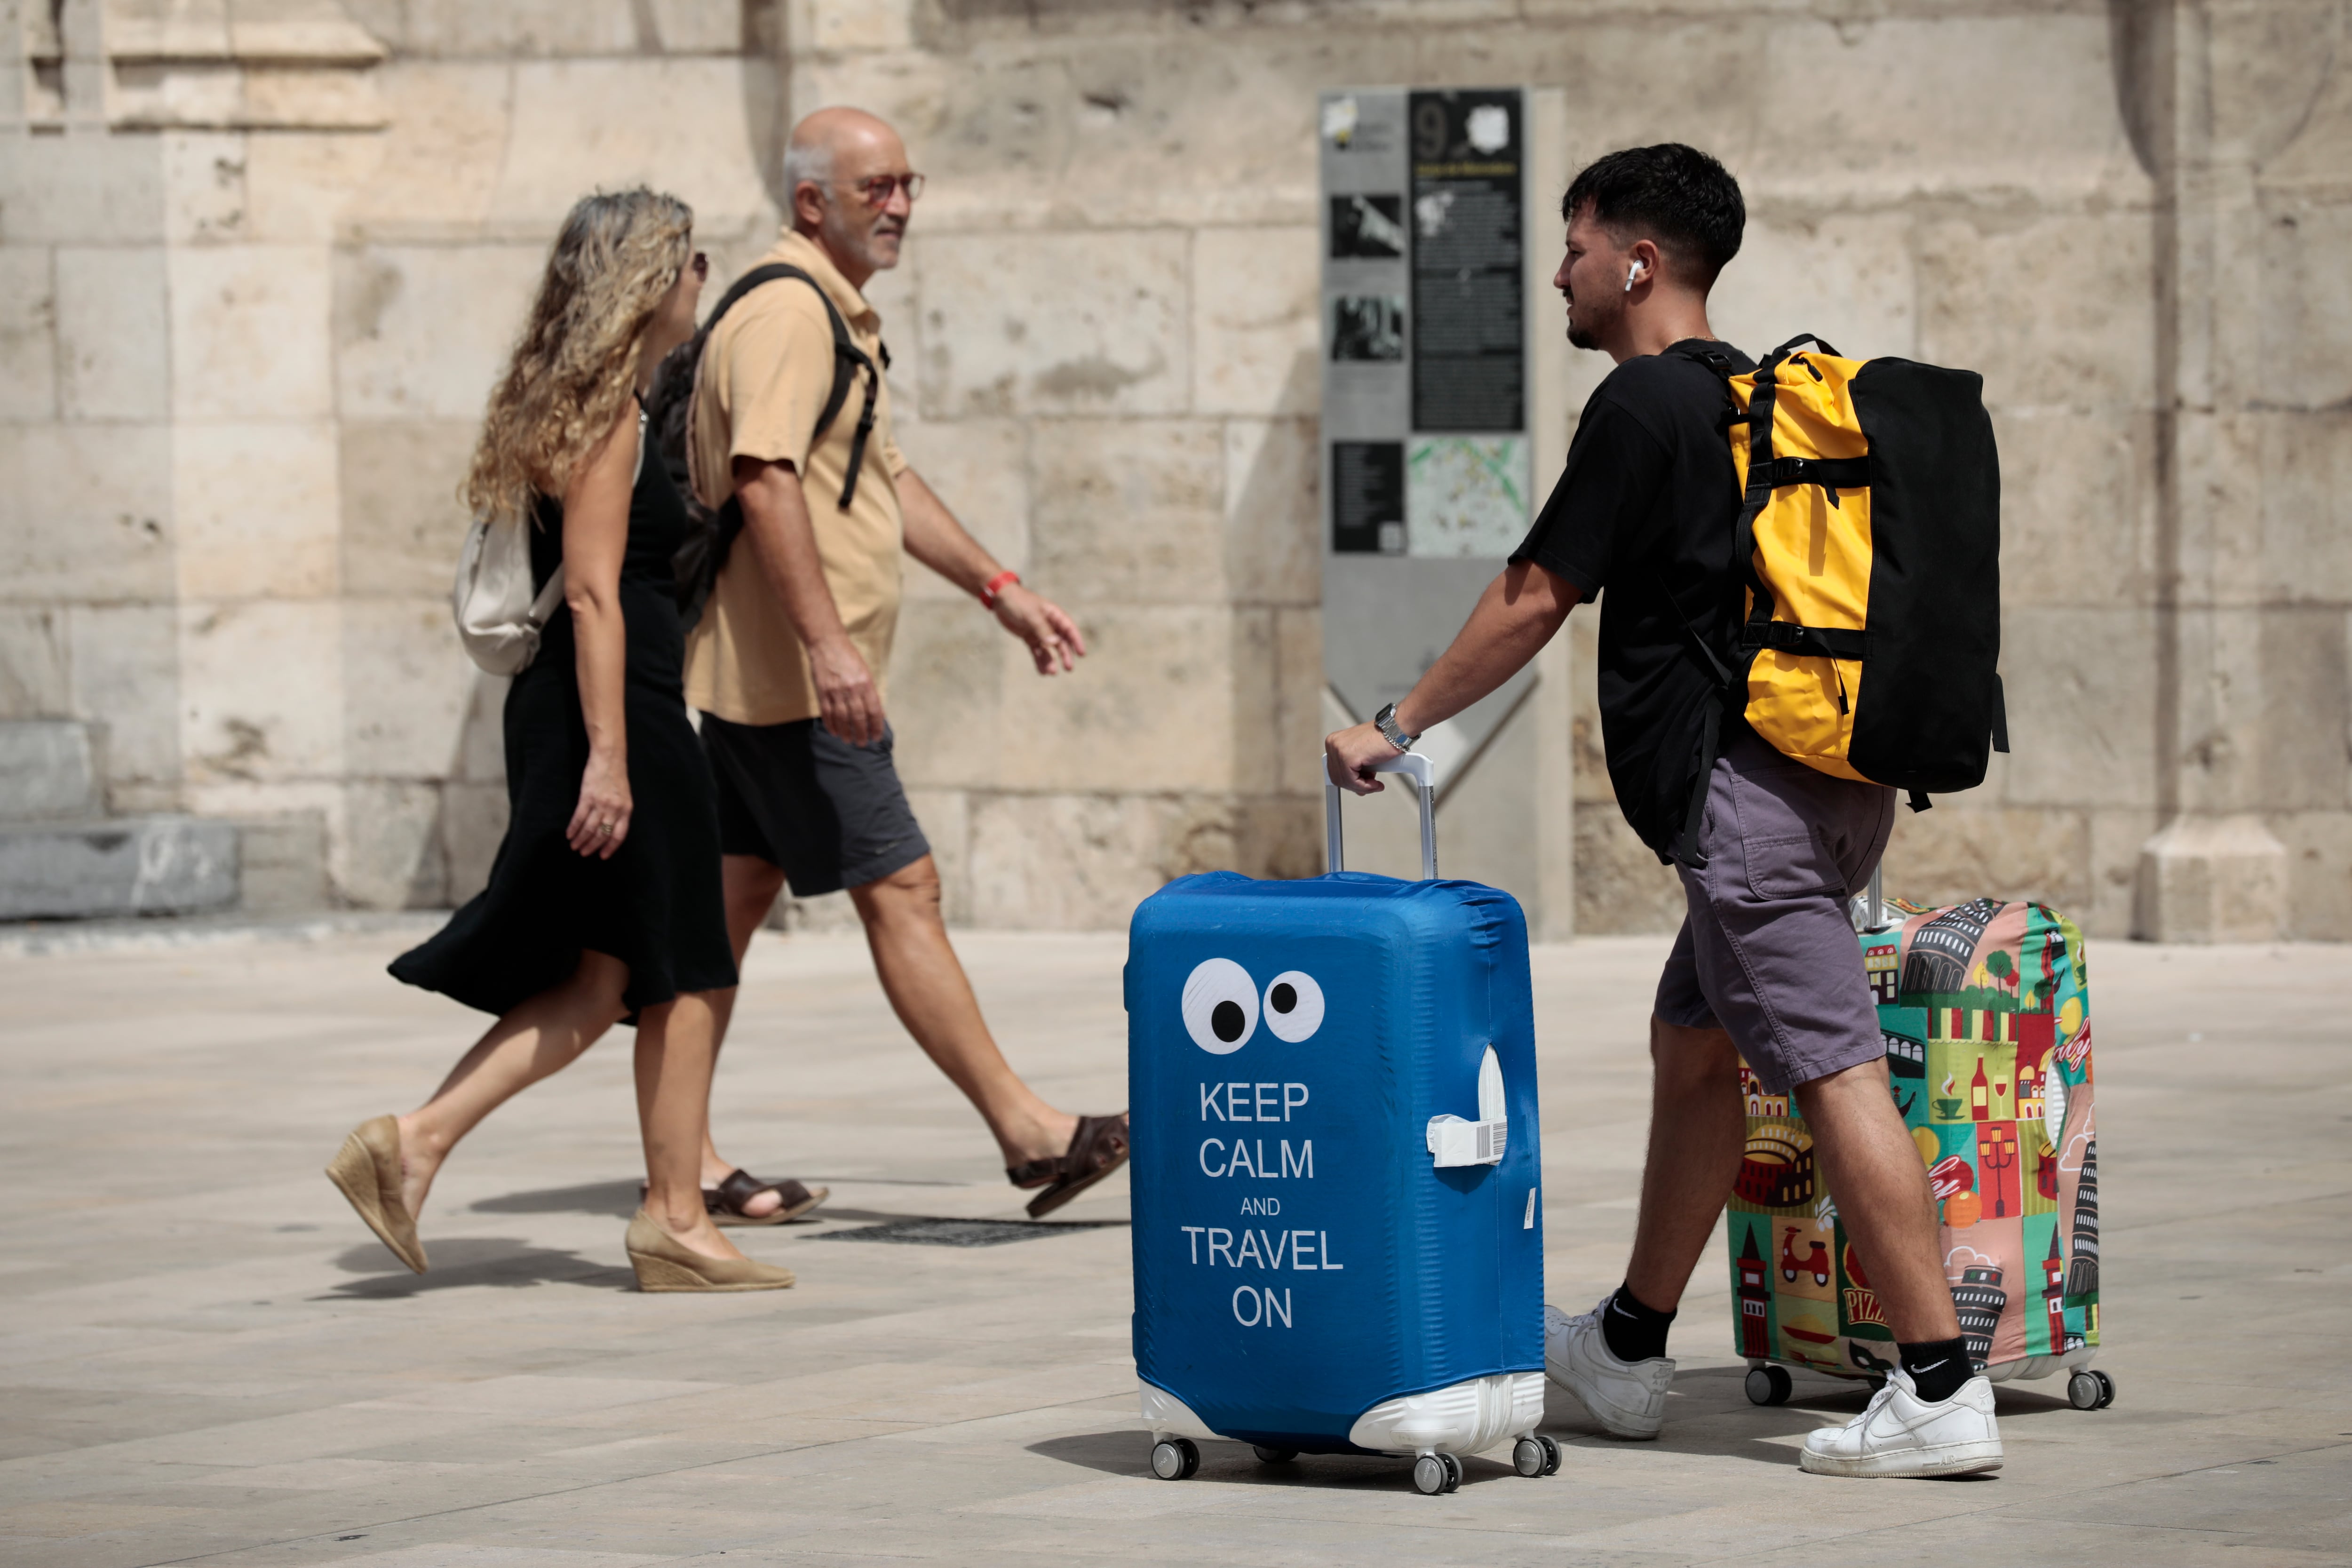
(1986, 1014)
(1339, 1240)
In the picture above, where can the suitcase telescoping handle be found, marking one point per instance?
(1414, 767)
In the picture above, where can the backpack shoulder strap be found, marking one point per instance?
(848, 360)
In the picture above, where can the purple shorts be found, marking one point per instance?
(1765, 950)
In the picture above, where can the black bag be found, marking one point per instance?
(711, 535)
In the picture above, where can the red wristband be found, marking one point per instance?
(994, 586)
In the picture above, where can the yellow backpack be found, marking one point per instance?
(1868, 543)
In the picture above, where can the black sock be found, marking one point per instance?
(1938, 1368)
(1633, 1332)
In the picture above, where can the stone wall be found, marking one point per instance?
(261, 258)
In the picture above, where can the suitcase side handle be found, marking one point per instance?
(1417, 768)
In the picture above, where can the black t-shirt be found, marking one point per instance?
(1645, 508)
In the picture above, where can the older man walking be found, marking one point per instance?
(787, 664)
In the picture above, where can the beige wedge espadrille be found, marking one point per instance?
(665, 1263)
(367, 1169)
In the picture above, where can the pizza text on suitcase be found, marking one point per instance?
(1454, 1141)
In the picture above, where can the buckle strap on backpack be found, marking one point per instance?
(1820, 642)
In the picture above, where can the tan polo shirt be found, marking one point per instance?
(765, 374)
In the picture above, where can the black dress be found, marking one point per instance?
(656, 905)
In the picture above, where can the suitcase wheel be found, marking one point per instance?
(1273, 1456)
(2106, 1389)
(1768, 1385)
(1535, 1455)
(1434, 1474)
(1174, 1458)
(2082, 1391)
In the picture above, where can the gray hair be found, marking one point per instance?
(811, 160)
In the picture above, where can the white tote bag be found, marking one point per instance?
(498, 620)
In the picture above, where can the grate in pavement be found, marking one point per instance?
(962, 1232)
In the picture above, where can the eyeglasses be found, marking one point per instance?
(876, 191)
(701, 265)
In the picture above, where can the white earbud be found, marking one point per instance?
(1630, 273)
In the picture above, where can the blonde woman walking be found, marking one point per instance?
(604, 903)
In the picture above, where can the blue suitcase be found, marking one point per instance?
(1338, 1233)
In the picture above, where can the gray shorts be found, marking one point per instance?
(1765, 950)
(827, 814)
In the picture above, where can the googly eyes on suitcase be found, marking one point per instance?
(1986, 1013)
(1338, 1231)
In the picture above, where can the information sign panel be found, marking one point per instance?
(1426, 450)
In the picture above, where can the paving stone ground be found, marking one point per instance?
(204, 1357)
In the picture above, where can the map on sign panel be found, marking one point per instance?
(1466, 495)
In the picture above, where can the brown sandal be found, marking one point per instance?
(1097, 1148)
(726, 1202)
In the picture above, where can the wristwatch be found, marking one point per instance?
(1385, 722)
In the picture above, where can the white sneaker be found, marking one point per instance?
(1902, 1435)
(1629, 1398)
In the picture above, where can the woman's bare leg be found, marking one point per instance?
(541, 1037)
(675, 1054)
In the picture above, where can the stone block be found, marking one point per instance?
(1256, 701)
(1082, 862)
(440, 156)
(2211, 879)
(2306, 304)
(2081, 689)
(32, 666)
(1847, 275)
(139, 866)
(282, 864)
(854, 25)
(261, 691)
(1127, 513)
(677, 124)
(298, 188)
(82, 190)
(28, 361)
(1986, 302)
(2078, 506)
(947, 672)
(249, 333)
(2319, 873)
(1908, 115)
(423, 332)
(980, 467)
(402, 521)
(1487, 816)
(1621, 887)
(482, 749)
(1274, 545)
(387, 852)
(114, 333)
(255, 510)
(1056, 323)
(2306, 464)
(473, 824)
(96, 525)
(408, 686)
(125, 666)
(1153, 700)
(205, 190)
(2116, 839)
(514, 27)
(1960, 851)
(2304, 734)
(48, 768)
(1256, 333)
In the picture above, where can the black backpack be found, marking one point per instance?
(711, 535)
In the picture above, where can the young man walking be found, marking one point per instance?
(1766, 965)
(787, 663)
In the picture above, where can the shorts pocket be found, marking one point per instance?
(1781, 846)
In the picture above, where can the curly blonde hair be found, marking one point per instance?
(573, 368)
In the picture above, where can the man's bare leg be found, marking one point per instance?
(1867, 1158)
(1698, 1129)
(929, 991)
